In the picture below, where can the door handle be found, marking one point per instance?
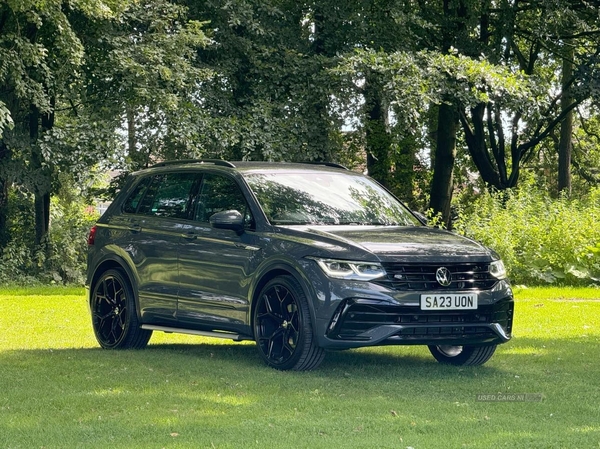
(135, 228)
(248, 247)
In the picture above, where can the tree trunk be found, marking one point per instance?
(404, 162)
(378, 140)
(565, 144)
(131, 137)
(445, 153)
(41, 174)
(36, 167)
(42, 209)
(321, 146)
(4, 233)
(476, 144)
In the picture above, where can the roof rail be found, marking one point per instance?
(327, 164)
(219, 162)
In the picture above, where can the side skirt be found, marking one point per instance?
(177, 330)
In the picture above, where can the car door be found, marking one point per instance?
(155, 224)
(215, 265)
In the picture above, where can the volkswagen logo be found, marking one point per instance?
(443, 276)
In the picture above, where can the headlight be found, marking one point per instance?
(345, 269)
(497, 269)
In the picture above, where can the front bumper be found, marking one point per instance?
(367, 322)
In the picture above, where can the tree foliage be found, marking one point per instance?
(429, 97)
(68, 73)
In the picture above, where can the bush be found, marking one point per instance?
(64, 260)
(541, 240)
(68, 242)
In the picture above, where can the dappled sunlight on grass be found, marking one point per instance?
(524, 350)
(109, 392)
(587, 429)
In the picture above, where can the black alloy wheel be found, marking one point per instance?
(114, 317)
(282, 326)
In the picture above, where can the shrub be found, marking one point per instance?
(23, 263)
(68, 242)
(541, 240)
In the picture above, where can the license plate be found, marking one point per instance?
(449, 302)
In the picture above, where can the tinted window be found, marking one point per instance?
(169, 195)
(217, 194)
(327, 198)
(131, 203)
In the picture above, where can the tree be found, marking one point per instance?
(565, 144)
(528, 37)
(69, 73)
(40, 53)
(141, 71)
(269, 97)
(524, 37)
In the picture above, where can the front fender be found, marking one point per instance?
(277, 266)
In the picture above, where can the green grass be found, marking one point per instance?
(58, 389)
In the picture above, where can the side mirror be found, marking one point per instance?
(228, 219)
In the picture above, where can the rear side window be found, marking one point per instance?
(169, 195)
(133, 201)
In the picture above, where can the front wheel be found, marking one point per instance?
(283, 328)
(462, 355)
(114, 316)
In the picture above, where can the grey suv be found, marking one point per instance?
(298, 257)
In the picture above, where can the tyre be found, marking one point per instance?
(283, 328)
(462, 355)
(114, 316)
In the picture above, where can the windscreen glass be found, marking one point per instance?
(326, 198)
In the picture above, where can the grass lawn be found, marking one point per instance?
(58, 389)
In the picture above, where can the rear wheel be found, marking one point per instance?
(462, 355)
(283, 328)
(114, 316)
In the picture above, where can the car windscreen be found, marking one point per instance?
(301, 198)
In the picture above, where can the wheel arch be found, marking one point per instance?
(116, 262)
(273, 271)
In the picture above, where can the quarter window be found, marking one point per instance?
(131, 204)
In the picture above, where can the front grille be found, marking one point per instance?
(422, 277)
(356, 318)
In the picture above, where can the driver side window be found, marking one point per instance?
(220, 193)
